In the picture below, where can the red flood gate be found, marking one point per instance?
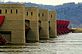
(2, 20)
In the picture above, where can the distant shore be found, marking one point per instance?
(77, 30)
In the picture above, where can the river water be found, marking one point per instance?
(65, 44)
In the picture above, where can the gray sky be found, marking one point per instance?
(47, 2)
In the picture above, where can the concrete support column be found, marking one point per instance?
(32, 16)
(33, 34)
(53, 29)
(53, 25)
(44, 32)
(44, 18)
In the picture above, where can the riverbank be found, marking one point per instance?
(76, 30)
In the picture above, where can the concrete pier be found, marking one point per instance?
(32, 16)
(52, 24)
(43, 17)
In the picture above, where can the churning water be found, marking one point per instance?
(65, 44)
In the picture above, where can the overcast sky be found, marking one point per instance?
(47, 2)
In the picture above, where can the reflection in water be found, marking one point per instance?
(65, 44)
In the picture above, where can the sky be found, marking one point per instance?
(46, 2)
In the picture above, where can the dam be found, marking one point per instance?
(27, 24)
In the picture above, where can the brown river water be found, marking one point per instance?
(65, 44)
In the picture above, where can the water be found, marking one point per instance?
(64, 44)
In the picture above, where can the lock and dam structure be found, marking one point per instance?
(24, 24)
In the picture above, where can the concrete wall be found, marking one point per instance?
(14, 21)
(52, 24)
(43, 17)
(32, 16)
